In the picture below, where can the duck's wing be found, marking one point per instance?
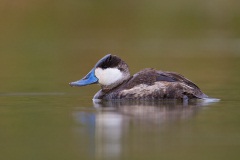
(176, 84)
(150, 76)
(174, 77)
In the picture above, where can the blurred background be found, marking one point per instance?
(46, 44)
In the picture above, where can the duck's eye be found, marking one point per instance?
(121, 69)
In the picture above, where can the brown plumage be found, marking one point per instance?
(152, 84)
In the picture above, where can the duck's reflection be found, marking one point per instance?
(109, 131)
(113, 119)
(150, 112)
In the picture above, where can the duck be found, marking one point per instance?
(113, 75)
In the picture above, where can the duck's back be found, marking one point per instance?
(153, 84)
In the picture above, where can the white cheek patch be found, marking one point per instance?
(108, 76)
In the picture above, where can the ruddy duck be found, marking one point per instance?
(113, 75)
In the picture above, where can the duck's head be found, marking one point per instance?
(109, 72)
